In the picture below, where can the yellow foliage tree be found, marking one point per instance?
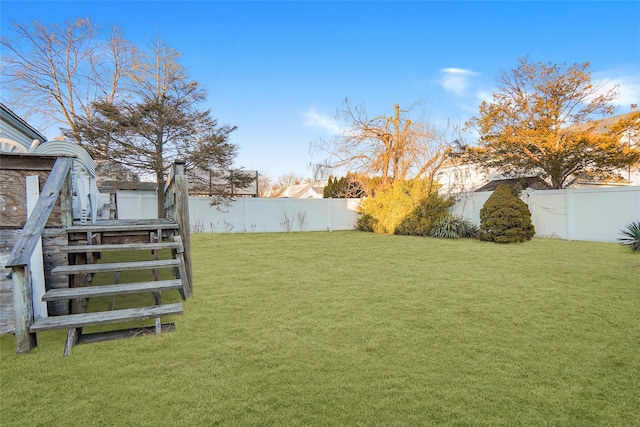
(541, 121)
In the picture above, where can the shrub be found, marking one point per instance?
(505, 218)
(420, 222)
(454, 227)
(348, 186)
(365, 222)
(388, 207)
(631, 236)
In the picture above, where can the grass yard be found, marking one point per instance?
(357, 329)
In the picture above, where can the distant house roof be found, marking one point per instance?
(524, 182)
(604, 124)
(19, 123)
(311, 190)
(111, 186)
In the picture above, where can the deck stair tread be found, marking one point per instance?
(115, 266)
(110, 290)
(120, 247)
(123, 227)
(104, 317)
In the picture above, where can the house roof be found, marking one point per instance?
(304, 190)
(524, 182)
(604, 124)
(18, 122)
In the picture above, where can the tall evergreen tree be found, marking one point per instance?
(161, 123)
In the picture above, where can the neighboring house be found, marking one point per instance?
(524, 182)
(16, 135)
(214, 183)
(311, 190)
(457, 176)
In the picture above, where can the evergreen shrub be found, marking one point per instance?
(348, 186)
(505, 218)
(365, 223)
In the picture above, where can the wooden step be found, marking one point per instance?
(115, 266)
(120, 247)
(104, 317)
(101, 228)
(110, 290)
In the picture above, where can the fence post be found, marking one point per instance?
(569, 209)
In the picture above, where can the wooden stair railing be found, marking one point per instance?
(176, 207)
(56, 185)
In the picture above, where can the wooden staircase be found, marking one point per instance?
(86, 245)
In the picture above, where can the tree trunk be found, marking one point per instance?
(556, 182)
(159, 165)
(160, 193)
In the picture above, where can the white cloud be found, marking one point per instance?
(456, 80)
(316, 120)
(628, 87)
(484, 96)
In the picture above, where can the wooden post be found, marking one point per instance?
(36, 264)
(179, 212)
(23, 308)
(66, 206)
(182, 218)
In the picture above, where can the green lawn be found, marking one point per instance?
(357, 329)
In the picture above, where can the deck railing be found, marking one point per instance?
(176, 208)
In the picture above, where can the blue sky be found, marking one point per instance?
(279, 70)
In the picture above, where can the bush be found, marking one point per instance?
(420, 222)
(505, 218)
(348, 186)
(405, 207)
(631, 236)
(365, 223)
(454, 227)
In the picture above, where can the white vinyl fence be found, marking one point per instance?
(594, 214)
(250, 214)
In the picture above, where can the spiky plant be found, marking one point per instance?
(454, 227)
(631, 236)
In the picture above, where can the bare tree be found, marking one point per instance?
(289, 179)
(391, 148)
(58, 71)
(264, 184)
